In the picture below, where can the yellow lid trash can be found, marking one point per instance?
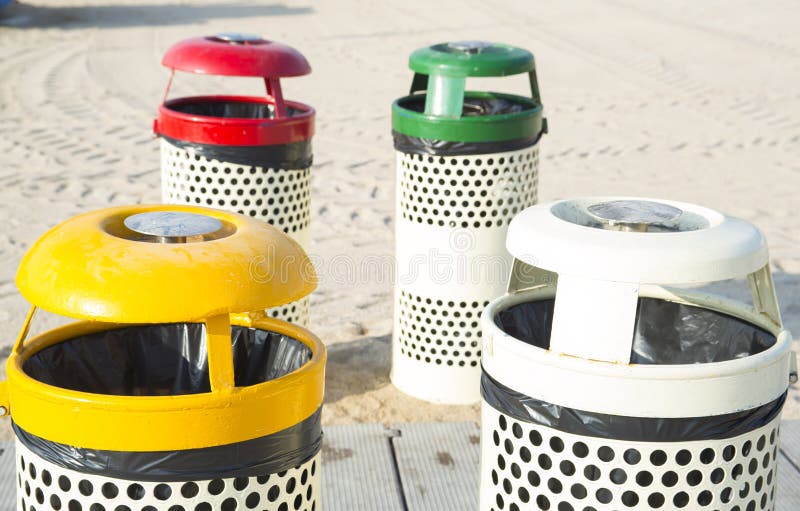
(170, 392)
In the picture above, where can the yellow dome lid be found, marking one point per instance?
(163, 264)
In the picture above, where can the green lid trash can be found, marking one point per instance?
(467, 162)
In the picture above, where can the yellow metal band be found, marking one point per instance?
(162, 423)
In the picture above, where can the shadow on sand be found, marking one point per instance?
(357, 366)
(21, 15)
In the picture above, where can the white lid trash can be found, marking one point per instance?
(613, 380)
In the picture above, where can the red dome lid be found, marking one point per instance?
(236, 55)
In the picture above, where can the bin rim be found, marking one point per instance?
(234, 131)
(163, 423)
(87, 268)
(581, 382)
(527, 124)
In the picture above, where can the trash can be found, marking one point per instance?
(247, 154)
(614, 377)
(466, 164)
(166, 395)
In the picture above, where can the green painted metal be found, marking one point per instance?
(471, 58)
(441, 71)
(527, 123)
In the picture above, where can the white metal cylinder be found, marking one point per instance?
(43, 485)
(526, 464)
(279, 197)
(452, 217)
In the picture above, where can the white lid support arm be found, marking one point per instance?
(765, 300)
(525, 277)
(594, 319)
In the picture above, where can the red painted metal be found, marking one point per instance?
(231, 131)
(215, 56)
(236, 55)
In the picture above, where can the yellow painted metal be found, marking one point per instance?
(220, 353)
(162, 423)
(5, 407)
(89, 267)
(26, 327)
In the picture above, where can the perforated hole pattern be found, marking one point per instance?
(277, 196)
(45, 486)
(481, 191)
(441, 332)
(526, 466)
(293, 312)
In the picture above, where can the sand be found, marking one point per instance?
(681, 100)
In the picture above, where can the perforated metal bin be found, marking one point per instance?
(611, 380)
(467, 162)
(164, 395)
(247, 154)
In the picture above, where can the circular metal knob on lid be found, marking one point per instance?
(238, 38)
(173, 226)
(469, 46)
(633, 215)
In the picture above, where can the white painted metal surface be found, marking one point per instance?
(279, 197)
(604, 248)
(700, 245)
(452, 216)
(693, 390)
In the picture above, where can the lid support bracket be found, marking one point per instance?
(220, 353)
(445, 97)
(26, 327)
(276, 94)
(765, 300)
(534, 86)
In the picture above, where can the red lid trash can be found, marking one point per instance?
(247, 154)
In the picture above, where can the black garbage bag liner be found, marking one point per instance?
(269, 454)
(620, 427)
(165, 360)
(473, 107)
(228, 109)
(297, 155)
(161, 360)
(665, 333)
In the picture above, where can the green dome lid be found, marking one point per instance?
(471, 58)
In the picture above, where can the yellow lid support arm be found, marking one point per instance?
(220, 353)
(23, 333)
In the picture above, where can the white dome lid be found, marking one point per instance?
(636, 240)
